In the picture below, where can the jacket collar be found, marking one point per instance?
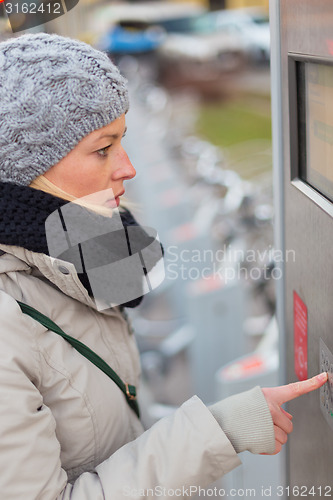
(59, 272)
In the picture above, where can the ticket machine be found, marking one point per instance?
(302, 94)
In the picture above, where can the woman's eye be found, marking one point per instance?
(103, 151)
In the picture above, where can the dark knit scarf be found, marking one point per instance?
(23, 211)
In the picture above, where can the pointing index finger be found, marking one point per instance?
(288, 392)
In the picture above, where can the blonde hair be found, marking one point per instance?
(43, 184)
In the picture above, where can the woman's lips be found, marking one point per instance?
(113, 202)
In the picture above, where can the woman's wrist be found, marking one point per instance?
(246, 420)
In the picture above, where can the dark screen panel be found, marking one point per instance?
(315, 125)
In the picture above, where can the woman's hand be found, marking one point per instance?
(276, 396)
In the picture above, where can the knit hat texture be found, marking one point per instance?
(54, 92)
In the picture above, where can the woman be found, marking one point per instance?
(69, 428)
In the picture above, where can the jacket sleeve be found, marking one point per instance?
(185, 449)
(173, 458)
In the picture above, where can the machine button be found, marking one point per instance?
(326, 391)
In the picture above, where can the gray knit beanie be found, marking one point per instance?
(54, 92)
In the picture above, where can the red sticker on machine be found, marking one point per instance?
(300, 338)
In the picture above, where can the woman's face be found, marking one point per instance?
(98, 162)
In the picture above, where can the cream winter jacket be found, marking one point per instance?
(66, 430)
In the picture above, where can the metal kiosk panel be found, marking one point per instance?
(307, 128)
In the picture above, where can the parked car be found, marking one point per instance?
(194, 49)
(131, 37)
(251, 27)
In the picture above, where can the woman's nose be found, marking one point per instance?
(125, 169)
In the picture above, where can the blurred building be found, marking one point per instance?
(236, 4)
(230, 4)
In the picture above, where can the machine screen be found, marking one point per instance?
(315, 99)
